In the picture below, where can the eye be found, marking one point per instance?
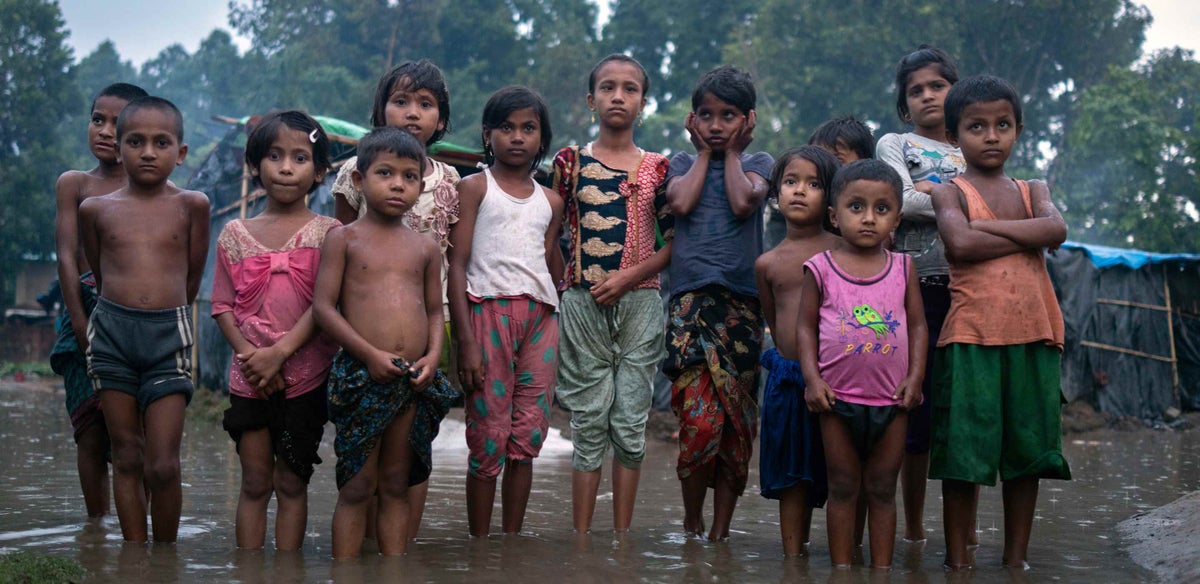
(163, 143)
(97, 120)
(400, 101)
(1004, 124)
(427, 104)
(882, 208)
(506, 127)
(855, 206)
(789, 181)
(815, 185)
(383, 172)
(530, 128)
(302, 158)
(273, 156)
(410, 175)
(975, 126)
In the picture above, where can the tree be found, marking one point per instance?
(37, 93)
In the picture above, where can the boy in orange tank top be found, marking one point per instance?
(996, 407)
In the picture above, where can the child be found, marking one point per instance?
(262, 298)
(79, 292)
(505, 266)
(923, 159)
(845, 137)
(413, 97)
(791, 456)
(715, 328)
(146, 244)
(997, 375)
(386, 395)
(612, 318)
(862, 349)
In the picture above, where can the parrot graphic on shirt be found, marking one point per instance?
(870, 318)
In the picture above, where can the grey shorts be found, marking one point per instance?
(144, 353)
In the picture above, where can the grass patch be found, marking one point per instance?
(207, 406)
(27, 568)
(39, 368)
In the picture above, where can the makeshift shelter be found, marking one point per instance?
(1132, 328)
(224, 177)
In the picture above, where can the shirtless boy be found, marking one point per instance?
(146, 244)
(79, 291)
(386, 395)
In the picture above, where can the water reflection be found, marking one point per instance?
(1118, 475)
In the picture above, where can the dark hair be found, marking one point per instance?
(978, 89)
(388, 139)
(415, 75)
(150, 102)
(730, 85)
(619, 58)
(826, 163)
(264, 134)
(868, 169)
(126, 92)
(924, 56)
(508, 100)
(848, 130)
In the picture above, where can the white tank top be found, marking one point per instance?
(508, 252)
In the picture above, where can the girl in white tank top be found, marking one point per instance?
(508, 252)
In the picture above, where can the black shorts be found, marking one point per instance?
(296, 426)
(144, 353)
(865, 424)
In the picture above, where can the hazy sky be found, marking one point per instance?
(142, 28)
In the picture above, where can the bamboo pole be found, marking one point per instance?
(1171, 337)
(245, 188)
(1166, 308)
(1116, 349)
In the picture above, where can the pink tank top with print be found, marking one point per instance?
(863, 331)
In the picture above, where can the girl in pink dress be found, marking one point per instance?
(262, 298)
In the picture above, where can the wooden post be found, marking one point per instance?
(245, 187)
(195, 345)
(1171, 337)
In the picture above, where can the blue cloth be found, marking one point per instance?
(791, 447)
(712, 246)
(1103, 256)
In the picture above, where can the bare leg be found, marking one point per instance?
(625, 486)
(845, 481)
(258, 463)
(291, 516)
(124, 423)
(395, 461)
(860, 518)
(584, 485)
(695, 488)
(958, 504)
(879, 481)
(90, 453)
(416, 507)
(795, 519)
(724, 503)
(1020, 503)
(164, 432)
(372, 518)
(350, 514)
(973, 528)
(514, 494)
(912, 482)
(481, 497)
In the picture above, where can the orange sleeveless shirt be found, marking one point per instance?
(1007, 300)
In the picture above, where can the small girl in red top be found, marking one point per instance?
(262, 298)
(862, 340)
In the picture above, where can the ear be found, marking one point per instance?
(317, 179)
(356, 178)
(591, 101)
(1020, 128)
(833, 218)
(441, 125)
(183, 149)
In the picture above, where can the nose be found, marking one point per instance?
(869, 217)
(412, 113)
(991, 135)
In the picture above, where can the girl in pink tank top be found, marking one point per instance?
(863, 342)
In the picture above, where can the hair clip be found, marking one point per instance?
(312, 136)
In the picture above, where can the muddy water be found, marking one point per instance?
(1117, 475)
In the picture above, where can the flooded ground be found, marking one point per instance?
(1118, 474)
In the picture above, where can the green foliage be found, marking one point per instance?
(27, 568)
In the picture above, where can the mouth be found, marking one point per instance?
(993, 152)
(413, 129)
(105, 146)
(396, 202)
(716, 139)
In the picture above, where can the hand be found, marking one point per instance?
(693, 128)
(743, 135)
(273, 385)
(924, 186)
(909, 393)
(470, 365)
(819, 397)
(613, 286)
(80, 330)
(382, 367)
(424, 369)
(260, 365)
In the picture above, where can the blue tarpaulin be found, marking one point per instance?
(1103, 256)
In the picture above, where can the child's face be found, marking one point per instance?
(925, 93)
(414, 110)
(619, 96)
(391, 185)
(287, 172)
(866, 212)
(717, 121)
(150, 149)
(801, 198)
(102, 128)
(841, 151)
(987, 132)
(518, 140)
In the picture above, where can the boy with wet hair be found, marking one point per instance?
(845, 137)
(78, 286)
(146, 244)
(996, 404)
(715, 327)
(386, 394)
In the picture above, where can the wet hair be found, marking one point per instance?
(126, 92)
(978, 89)
(728, 84)
(508, 100)
(618, 58)
(924, 56)
(826, 163)
(414, 75)
(388, 139)
(869, 169)
(150, 102)
(847, 130)
(264, 134)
